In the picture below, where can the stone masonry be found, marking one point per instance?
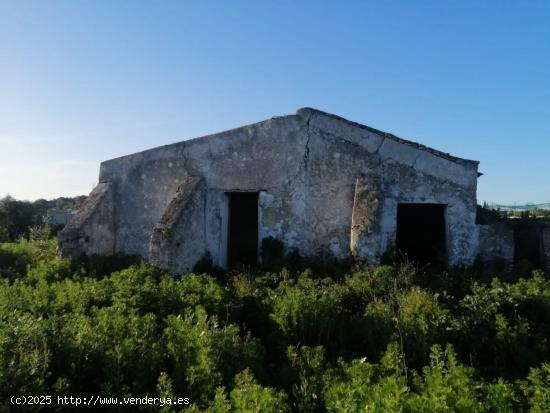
(323, 182)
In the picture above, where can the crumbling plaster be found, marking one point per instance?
(92, 230)
(310, 171)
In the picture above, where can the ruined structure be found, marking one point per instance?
(531, 241)
(497, 246)
(311, 180)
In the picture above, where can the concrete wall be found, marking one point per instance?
(92, 230)
(182, 228)
(404, 173)
(496, 244)
(310, 170)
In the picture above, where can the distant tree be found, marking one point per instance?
(18, 217)
(4, 235)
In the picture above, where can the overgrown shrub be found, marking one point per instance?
(382, 339)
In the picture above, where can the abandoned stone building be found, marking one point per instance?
(312, 180)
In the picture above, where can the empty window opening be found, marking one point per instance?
(421, 234)
(243, 229)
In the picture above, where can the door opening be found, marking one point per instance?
(243, 229)
(421, 234)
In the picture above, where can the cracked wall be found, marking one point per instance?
(92, 231)
(185, 214)
(310, 171)
(365, 219)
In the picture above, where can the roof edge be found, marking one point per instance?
(303, 113)
(189, 141)
(307, 111)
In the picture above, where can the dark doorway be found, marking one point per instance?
(243, 229)
(421, 235)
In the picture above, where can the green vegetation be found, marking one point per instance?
(284, 340)
(19, 218)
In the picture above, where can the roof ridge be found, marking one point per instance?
(419, 146)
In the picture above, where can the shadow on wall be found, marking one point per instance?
(532, 241)
(526, 240)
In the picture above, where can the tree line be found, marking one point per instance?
(17, 217)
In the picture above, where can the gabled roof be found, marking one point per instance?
(306, 112)
(390, 136)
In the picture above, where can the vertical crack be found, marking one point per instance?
(308, 133)
(381, 143)
(415, 159)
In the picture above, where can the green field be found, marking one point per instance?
(324, 340)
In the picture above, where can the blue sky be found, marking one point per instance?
(86, 81)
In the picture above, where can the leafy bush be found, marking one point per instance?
(306, 311)
(382, 339)
(25, 354)
(248, 396)
(361, 386)
(537, 388)
(17, 258)
(511, 323)
(204, 355)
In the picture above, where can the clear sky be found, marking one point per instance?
(86, 81)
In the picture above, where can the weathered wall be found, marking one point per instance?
(307, 168)
(407, 173)
(365, 219)
(496, 243)
(92, 231)
(249, 158)
(179, 237)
